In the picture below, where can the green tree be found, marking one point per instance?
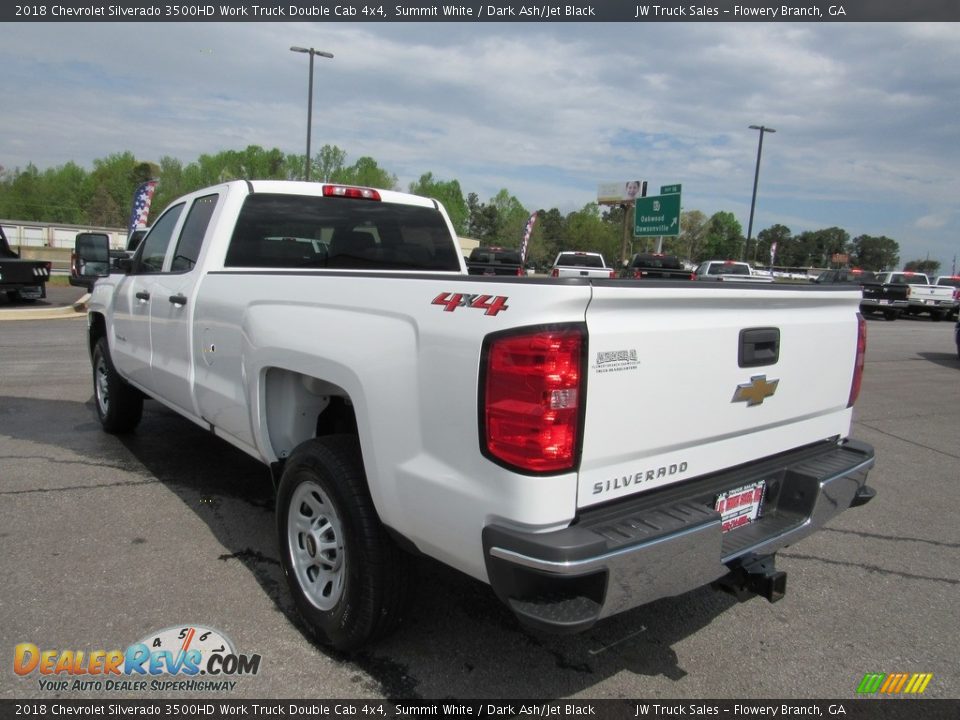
(693, 234)
(724, 238)
(483, 221)
(779, 234)
(449, 194)
(874, 253)
(513, 218)
(928, 266)
(328, 164)
(367, 173)
(586, 230)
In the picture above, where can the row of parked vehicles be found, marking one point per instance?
(890, 294)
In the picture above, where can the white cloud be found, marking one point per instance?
(867, 115)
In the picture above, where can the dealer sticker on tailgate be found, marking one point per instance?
(741, 506)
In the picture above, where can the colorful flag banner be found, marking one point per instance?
(527, 232)
(142, 198)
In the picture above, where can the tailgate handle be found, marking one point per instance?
(758, 347)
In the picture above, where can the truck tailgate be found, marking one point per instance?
(682, 382)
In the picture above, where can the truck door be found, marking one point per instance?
(171, 309)
(133, 298)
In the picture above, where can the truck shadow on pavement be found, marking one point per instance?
(458, 640)
(943, 359)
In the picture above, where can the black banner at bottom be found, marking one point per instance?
(878, 709)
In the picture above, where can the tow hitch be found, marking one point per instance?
(755, 576)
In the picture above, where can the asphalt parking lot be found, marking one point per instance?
(106, 540)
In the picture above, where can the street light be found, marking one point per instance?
(311, 52)
(756, 177)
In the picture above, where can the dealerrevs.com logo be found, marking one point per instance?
(190, 658)
(894, 683)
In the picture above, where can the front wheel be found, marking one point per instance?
(348, 578)
(119, 405)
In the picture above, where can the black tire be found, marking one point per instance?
(348, 578)
(119, 405)
(891, 314)
(937, 316)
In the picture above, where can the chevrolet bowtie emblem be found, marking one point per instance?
(755, 391)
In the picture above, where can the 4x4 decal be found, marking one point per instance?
(490, 304)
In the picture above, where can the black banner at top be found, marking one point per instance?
(637, 11)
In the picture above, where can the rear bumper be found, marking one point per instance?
(666, 543)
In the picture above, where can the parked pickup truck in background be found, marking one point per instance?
(887, 298)
(729, 271)
(644, 266)
(24, 280)
(495, 261)
(581, 264)
(954, 282)
(935, 300)
(404, 406)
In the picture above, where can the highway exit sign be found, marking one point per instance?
(657, 215)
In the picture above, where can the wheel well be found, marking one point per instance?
(299, 407)
(97, 330)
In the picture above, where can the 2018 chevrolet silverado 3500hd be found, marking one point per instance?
(495, 424)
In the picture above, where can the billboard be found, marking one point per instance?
(622, 191)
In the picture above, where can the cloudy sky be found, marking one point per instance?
(867, 114)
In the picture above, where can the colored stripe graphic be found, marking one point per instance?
(894, 683)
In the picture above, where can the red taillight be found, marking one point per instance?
(532, 389)
(521, 272)
(555, 273)
(858, 364)
(350, 192)
(613, 273)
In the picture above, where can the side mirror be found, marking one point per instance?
(91, 258)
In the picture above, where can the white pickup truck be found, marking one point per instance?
(729, 271)
(952, 281)
(581, 264)
(583, 446)
(924, 296)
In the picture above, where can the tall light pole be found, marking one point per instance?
(311, 52)
(756, 177)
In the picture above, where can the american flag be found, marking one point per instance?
(527, 231)
(141, 205)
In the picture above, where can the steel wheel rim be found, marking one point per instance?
(102, 385)
(315, 542)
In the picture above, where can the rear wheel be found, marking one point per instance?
(119, 405)
(891, 314)
(348, 578)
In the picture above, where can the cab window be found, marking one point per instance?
(191, 237)
(155, 244)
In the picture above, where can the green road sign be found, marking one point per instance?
(670, 189)
(656, 216)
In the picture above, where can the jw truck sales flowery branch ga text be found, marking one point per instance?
(744, 12)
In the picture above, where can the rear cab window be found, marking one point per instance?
(303, 232)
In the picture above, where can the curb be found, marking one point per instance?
(77, 310)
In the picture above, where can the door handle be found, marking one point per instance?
(143, 295)
(178, 299)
